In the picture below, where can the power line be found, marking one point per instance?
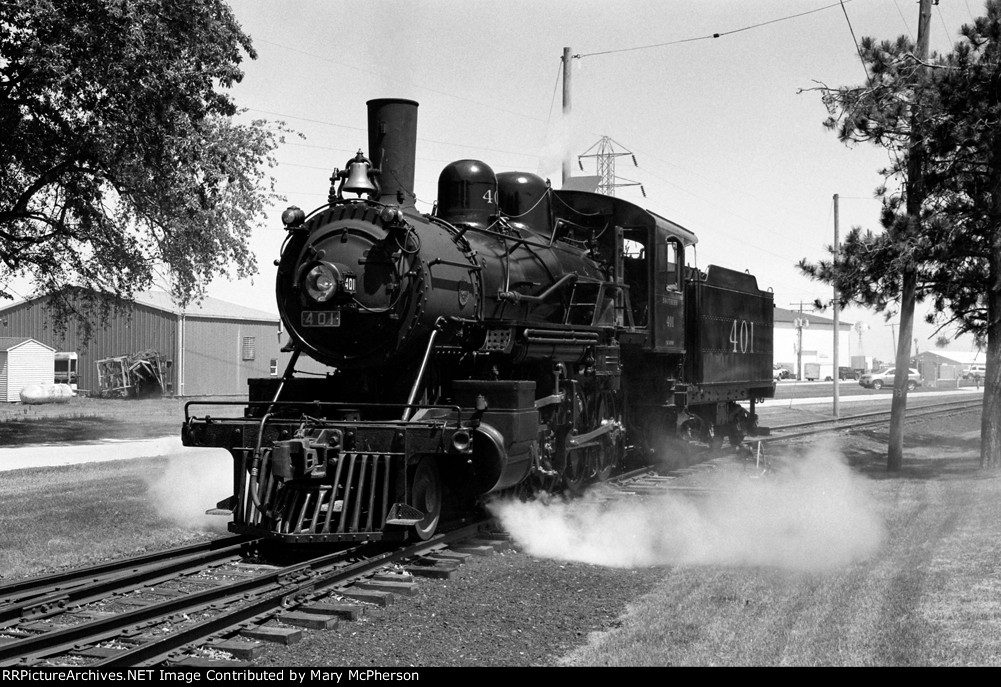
(715, 35)
(969, 11)
(944, 25)
(307, 119)
(350, 152)
(358, 128)
(398, 80)
(858, 50)
(693, 173)
(556, 88)
(903, 19)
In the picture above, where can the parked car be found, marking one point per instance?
(974, 370)
(847, 373)
(781, 372)
(877, 380)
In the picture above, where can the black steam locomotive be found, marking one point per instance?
(517, 337)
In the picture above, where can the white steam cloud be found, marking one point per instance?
(561, 141)
(815, 515)
(193, 481)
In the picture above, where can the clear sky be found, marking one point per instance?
(726, 132)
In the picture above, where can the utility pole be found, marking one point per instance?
(800, 323)
(837, 307)
(567, 105)
(909, 278)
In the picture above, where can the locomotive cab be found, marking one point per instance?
(665, 274)
(645, 254)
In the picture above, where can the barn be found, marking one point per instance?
(23, 361)
(209, 349)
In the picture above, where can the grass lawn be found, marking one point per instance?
(91, 419)
(53, 518)
(925, 591)
(930, 593)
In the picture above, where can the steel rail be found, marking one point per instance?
(21, 590)
(123, 580)
(943, 405)
(262, 607)
(101, 629)
(858, 421)
(628, 480)
(256, 594)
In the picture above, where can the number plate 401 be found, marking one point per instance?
(321, 318)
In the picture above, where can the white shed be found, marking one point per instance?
(24, 361)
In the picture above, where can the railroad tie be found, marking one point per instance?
(276, 635)
(402, 588)
(342, 610)
(310, 621)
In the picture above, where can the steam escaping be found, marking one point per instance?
(814, 516)
(561, 141)
(193, 481)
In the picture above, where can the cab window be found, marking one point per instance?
(667, 263)
(635, 276)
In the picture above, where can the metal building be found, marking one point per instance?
(804, 344)
(211, 349)
(23, 361)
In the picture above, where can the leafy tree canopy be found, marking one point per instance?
(941, 121)
(941, 118)
(119, 153)
(964, 147)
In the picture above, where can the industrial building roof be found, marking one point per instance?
(959, 357)
(208, 308)
(784, 315)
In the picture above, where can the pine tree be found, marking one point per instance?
(951, 246)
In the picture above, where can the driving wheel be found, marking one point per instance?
(426, 497)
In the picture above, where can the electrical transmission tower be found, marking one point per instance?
(605, 152)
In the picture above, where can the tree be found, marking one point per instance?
(954, 248)
(890, 110)
(965, 147)
(120, 154)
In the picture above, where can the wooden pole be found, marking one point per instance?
(567, 105)
(837, 308)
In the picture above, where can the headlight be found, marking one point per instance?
(321, 283)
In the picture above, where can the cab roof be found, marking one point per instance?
(583, 204)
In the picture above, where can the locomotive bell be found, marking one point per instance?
(358, 177)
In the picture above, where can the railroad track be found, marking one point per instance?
(821, 426)
(212, 604)
(34, 595)
(751, 459)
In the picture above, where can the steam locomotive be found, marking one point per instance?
(517, 337)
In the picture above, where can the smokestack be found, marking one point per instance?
(392, 146)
